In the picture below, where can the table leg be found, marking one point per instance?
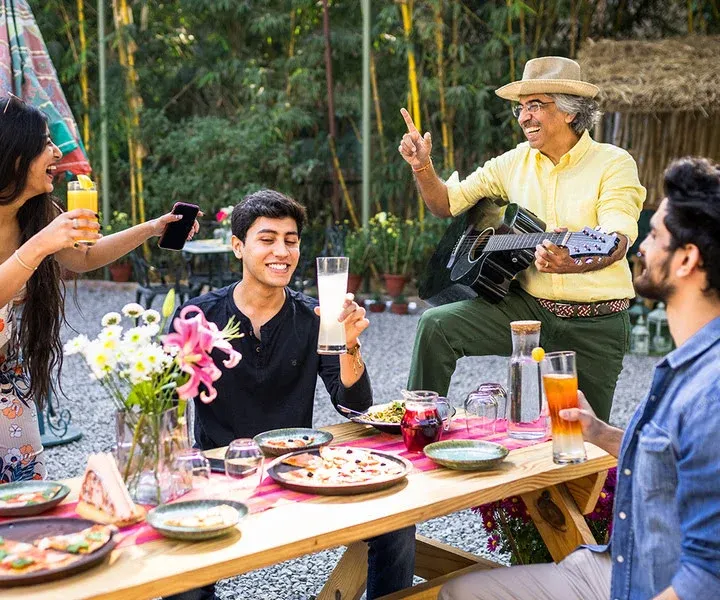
(558, 519)
(349, 578)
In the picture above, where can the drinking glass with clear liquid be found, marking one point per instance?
(83, 195)
(244, 463)
(561, 389)
(527, 417)
(332, 287)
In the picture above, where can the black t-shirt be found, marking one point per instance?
(273, 386)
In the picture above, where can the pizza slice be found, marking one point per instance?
(19, 558)
(301, 442)
(83, 542)
(217, 516)
(306, 460)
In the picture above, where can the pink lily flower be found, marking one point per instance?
(194, 339)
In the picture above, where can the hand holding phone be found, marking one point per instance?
(175, 234)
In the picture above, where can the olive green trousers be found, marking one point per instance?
(479, 328)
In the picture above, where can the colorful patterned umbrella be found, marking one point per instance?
(27, 71)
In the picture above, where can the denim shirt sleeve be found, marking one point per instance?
(698, 499)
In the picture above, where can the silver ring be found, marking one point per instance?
(75, 224)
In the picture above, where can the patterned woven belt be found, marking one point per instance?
(571, 310)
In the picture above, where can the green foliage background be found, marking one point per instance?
(235, 99)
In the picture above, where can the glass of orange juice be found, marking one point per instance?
(561, 389)
(83, 194)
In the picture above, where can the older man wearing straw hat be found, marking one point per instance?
(568, 180)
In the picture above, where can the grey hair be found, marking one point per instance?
(586, 110)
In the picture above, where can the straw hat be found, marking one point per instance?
(549, 75)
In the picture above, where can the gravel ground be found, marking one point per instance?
(387, 346)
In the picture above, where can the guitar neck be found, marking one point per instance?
(524, 241)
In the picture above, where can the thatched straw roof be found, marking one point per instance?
(679, 74)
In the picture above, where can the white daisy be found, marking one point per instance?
(111, 318)
(111, 332)
(133, 310)
(151, 316)
(76, 345)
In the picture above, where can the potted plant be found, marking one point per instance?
(358, 249)
(378, 304)
(121, 269)
(399, 305)
(394, 241)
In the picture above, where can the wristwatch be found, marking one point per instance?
(357, 358)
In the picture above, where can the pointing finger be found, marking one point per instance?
(409, 122)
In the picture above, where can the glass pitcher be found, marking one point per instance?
(422, 423)
(527, 418)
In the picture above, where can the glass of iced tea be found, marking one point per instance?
(83, 194)
(561, 388)
(421, 424)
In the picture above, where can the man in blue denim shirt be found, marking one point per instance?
(666, 532)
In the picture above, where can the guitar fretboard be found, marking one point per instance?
(524, 240)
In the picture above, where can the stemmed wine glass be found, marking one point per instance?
(244, 462)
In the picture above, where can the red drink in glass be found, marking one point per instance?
(421, 425)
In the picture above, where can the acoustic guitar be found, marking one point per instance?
(485, 248)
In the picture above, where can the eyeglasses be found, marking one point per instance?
(10, 97)
(531, 107)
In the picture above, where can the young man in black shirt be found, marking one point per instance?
(273, 386)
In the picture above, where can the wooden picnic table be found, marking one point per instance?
(288, 531)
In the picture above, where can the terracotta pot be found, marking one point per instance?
(354, 282)
(394, 284)
(120, 271)
(399, 308)
(377, 307)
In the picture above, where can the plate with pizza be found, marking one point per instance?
(47, 548)
(28, 498)
(196, 519)
(340, 470)
(283, 441)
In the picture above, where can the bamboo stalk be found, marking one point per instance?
(574, 8)
(346, 195)
(511, 48)
(406, 9)
(523, 48)
(690, 16)
(538, 27)
(291, 46)
(378, 111)
(440, 56)
(84, 88)
(335, 200)
(454, 70)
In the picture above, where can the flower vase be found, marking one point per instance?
(146, 445)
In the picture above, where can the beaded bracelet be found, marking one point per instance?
(22, 262)
(427, 166)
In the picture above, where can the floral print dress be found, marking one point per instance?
(21, 451)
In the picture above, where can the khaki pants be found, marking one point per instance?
(583, 575)
(479, 328)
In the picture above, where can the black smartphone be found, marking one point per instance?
(175, 234)
(217, 465)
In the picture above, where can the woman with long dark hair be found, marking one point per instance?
(36, 239)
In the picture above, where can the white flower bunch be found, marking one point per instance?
(131, 354)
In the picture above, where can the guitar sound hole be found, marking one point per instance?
(479, 244)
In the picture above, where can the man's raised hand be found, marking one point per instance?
(414, 148)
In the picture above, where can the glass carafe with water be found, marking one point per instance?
(527, 418)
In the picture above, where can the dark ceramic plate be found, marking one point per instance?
(276, 472)
(466, 455)
(394, 428)
(24, 487)
(157, 516)
(28, 530)
(319, 438)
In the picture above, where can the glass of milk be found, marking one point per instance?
(332, 276)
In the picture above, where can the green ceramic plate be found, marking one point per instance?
(158, 516)
(52, 493)
(466, 455)
(292, 439)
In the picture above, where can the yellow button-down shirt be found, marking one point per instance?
(592, 184)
